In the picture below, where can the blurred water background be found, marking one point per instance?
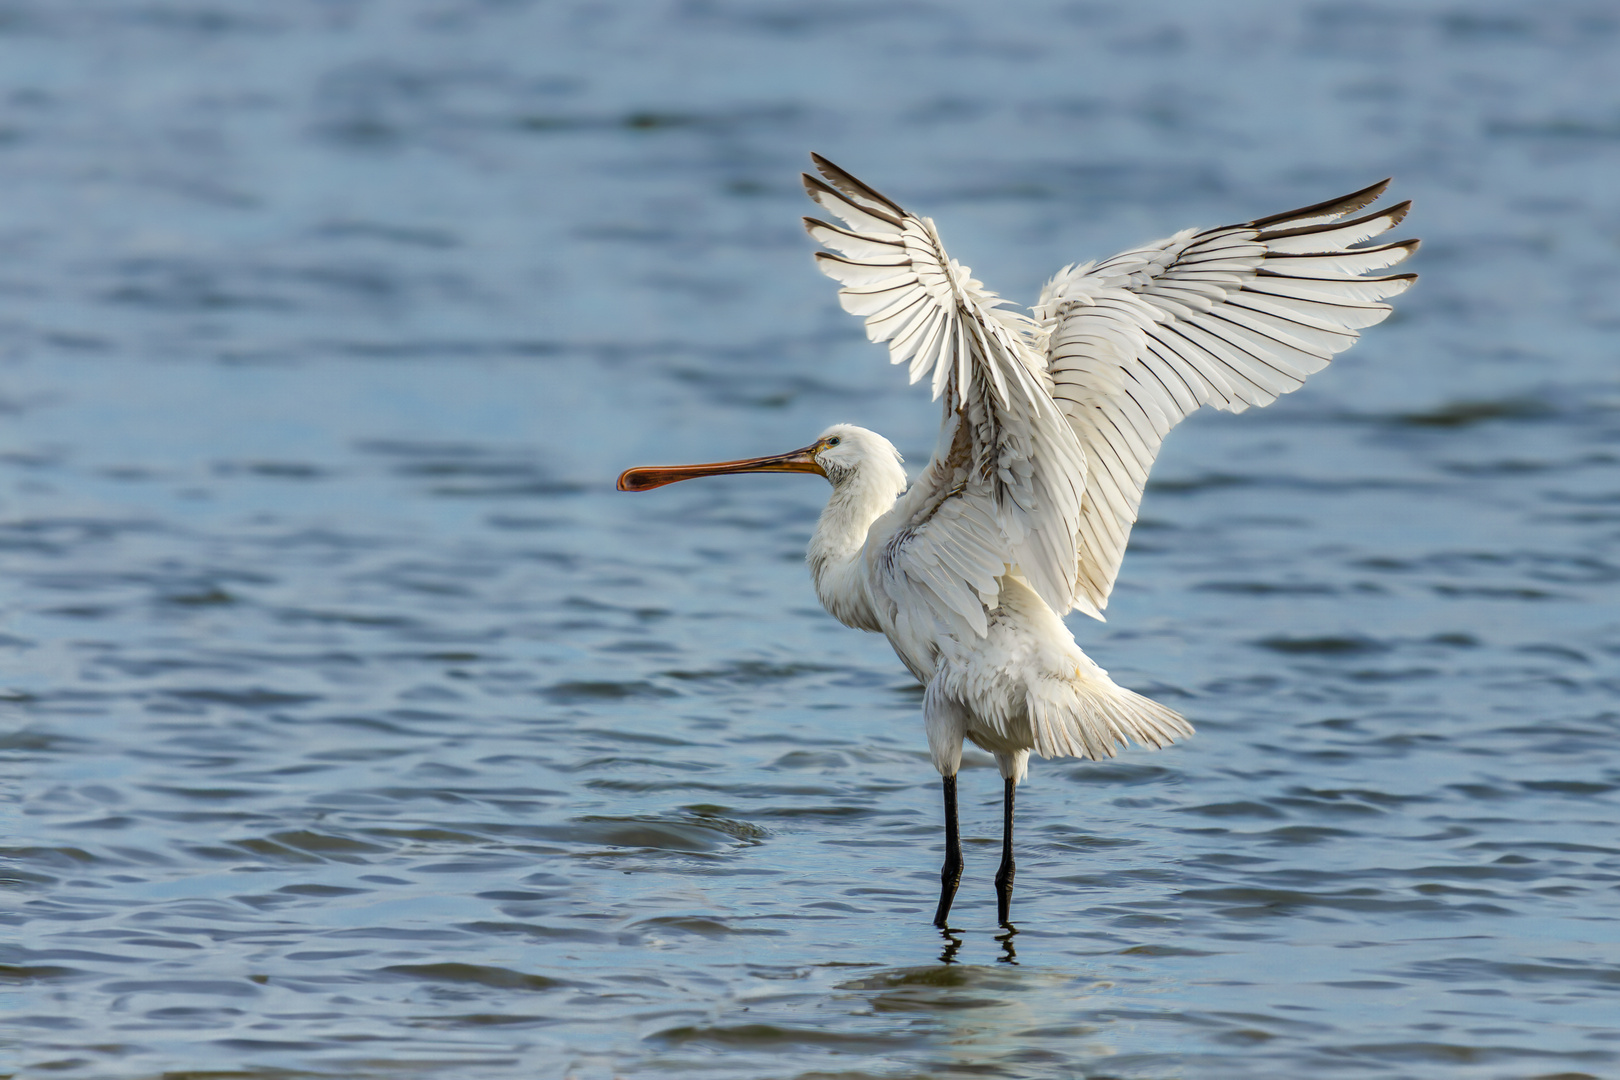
(355, 727)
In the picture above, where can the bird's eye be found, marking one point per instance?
(833, 441)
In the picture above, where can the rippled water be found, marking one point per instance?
(355, 727)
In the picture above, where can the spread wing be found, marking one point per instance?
(1005, 485)
(1229, 317)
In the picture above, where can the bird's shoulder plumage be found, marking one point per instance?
(1052, 423)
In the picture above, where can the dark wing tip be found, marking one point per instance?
(813, 187)
(1395, 214)
(1339, 207)
(816, 187)
(812, 224)
(828, 169)
(854, 189)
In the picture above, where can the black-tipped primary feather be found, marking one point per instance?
(853, 187)
(1395, 214)
(1330, 209)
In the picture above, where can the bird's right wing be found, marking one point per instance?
(1004, 488)
(1229, 317)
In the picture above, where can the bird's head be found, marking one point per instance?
(842, 452)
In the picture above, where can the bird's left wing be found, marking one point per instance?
(1004, 488)
(1228, 317)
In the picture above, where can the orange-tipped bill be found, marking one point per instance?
(647, 477)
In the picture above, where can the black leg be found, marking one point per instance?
(950, 875)
(1004, 876)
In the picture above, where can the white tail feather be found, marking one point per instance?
(1095, 719)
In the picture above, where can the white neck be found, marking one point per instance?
(859, 498)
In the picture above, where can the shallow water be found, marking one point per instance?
(355, 727)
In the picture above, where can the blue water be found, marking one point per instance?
(355, 727)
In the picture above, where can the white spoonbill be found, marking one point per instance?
(1051, 425)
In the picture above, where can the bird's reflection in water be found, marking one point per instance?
(979, 1015)
(1009, 955)
(953, 945)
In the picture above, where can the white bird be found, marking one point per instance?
(1051, 425)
